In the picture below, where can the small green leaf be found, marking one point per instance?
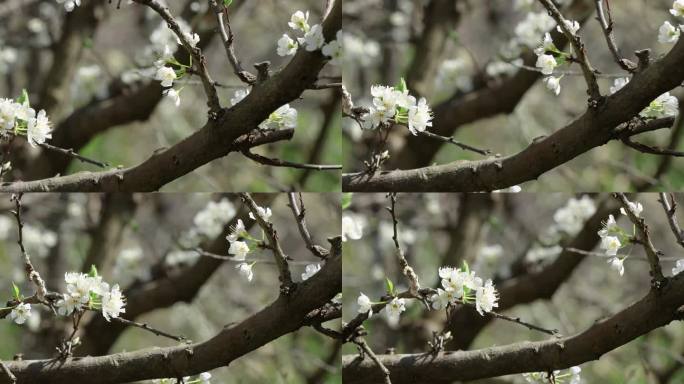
(402, 85)
(389, 285)
(24, 98)
(466, 268)
(93, 271)
(15, 291)
(227, 3)
(346, 200)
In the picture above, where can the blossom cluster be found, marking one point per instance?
(311, 40)
(668, 33)
(18, 118)
(396, 105)
(352, 226)
(465, 287)
(202, 378)
(663, 106)
(613, 238)
(571, 376)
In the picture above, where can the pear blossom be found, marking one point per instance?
(313, 39)
(679, 267)
(20, 313)
(553, 84)
(636, 207)
(419, 117)
(617, 264)
(486, 298)
(166, 75)
(609, 227)
(68, 304)
(665, 105)
(611, 244)
(265, 213)
(38, 129)
(618, 84)
(678, 8)
(352, 227)
(443, 298)
(113, 303)
(8, 113)
(334, 49)
(287, 46)
(239, 249)
(284, 117)
(547, 45)
(547, 63)
(299, 21)
(245, 270)
(571, 25)
(236, 231)
(173, 95)
(311, 269)
(365, 305)
(395, 308)
(668, 33)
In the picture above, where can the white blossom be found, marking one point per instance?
(635, 207)
(173, 95)
(211, 220)
(419, 117)
(395, 308)
(311, 269)
(313, 39)
(245, 270)
(571, 25)
(443, 298)
(668, 33)
(299, 21)
(618, 84)
(20, 313)
(286, 46)
(239, 95)
(334, 49)
(365, 305)
(609, 227)
(69, 5)
(547, 63)
(486, 298)
(617, 264)
(679, 267)
(611, 245)
(352, 227)
(665, 105)
(527, 32)
(284, 117)
(236, 231)
(678, 8)
(265, 213)
(113, 303)
(166, 75)
(553, 84)
(8, 114)
(38, 129)
(571, 217)
(239, 249)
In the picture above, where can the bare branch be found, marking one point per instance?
(607, 27)
(228, 38)
(71, 153)
(298, 211)
(287, 164)
(670, 208)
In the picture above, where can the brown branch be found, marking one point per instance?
(654, 310)
(69, 152)
(670, 208)
(607, 28)
(287, 164)
(31, 273)
(366, 350)
(286, 284)
(451, 140)
(228, 39)
(652, 253)
(644, 148)
(406, 269)
(146, 327)
(298, 211)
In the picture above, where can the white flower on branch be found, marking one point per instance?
(443, 298)
(419, 117)
(486, 298)
(678, 8)
(547, 63)
(265, 213)
(112, 303)
(570, 218)
(617, 263)
(636, 207)
(310, 270)
(611, 245)
(313, 39)
(284, 117)
(166, 75)
(287, 46)
(679, 267)
(334, 49)
(553, 84)
(8, 114)
(239, 249)
(236, 231)
(454, 74)
(668, 33)
(665, 105)
(245, 270)
(69, 5)
(365, 305)
(394, 309)
(618, 84)
(20, 313)
(239, 95)
(172, 95)
(352, 227)
(300, 21)
(38, 129)
(571, 25)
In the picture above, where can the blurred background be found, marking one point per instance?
(139, 240)
(116, 62)
(514, 239)
(381, 39)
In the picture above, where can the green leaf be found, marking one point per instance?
(389, 285)
(466, 268)
(402, 85)
(347, 200)
(93, 271)
(15, 291)
(24, 98)
(227, 3)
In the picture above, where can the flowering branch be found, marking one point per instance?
(670, 208)
(652, 253)
(580, 51)
(286, 284)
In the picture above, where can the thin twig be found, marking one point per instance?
(644, 148)
(299, 213)
(670, 208)
(645, 239)
(579, 49)
(31, 273)
(406, 269)
(287, 164)
(12, 379)
(228, 38)
(451, 140)
(146, 327)
(274, 244)
(71, 153)
(607, 27)
(368, 351)
(216, 256)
